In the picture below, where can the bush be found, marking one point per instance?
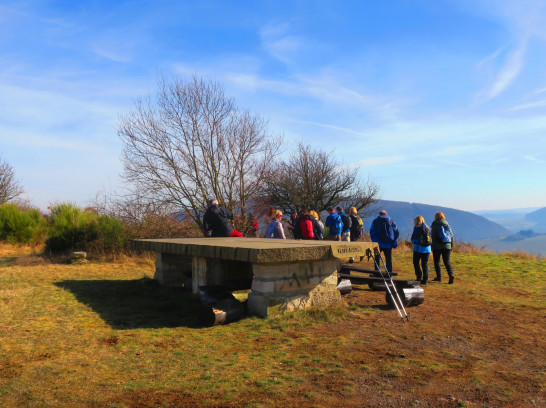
(21, 226)
(70, 228)
(111, 236)
(161, 226)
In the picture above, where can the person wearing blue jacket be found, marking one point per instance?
(385, 232)
(422, 241)
(334, 224)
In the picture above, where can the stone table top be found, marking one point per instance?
(259, 250)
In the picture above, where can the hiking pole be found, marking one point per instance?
(392, 282)
(389, 290)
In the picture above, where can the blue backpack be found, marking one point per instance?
(444, 233)
(337, 228)
(386, 233)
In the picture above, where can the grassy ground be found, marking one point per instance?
(104, 335)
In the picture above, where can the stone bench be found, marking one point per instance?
(283, 275)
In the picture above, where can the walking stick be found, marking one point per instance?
(388, 289)
(392, 282)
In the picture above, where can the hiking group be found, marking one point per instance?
(306, 225)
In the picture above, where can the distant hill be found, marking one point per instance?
(466, 225)
(536, 244)
(537, 220)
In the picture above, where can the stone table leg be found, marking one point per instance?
(171, 270)
(198, 273)
(285, 287)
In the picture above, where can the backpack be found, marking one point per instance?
(425, 238)
(337, 228)
(307, 229)
(444, 233)
(357, 228)
(386, 233)
(346, 220)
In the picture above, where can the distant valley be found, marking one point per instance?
(518, 219)
(498, 230)
(466, 225)
(528, 227)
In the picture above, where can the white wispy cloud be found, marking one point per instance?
(376, 161)
(323, 87)
(107, 52)
(278, 41)
(529, 105)
(525, 21)
(329, 126)
(534, 159)
(510, 71)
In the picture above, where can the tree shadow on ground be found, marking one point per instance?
(141, 303)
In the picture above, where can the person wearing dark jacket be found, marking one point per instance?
(385, 232)
(421, 249)
(442, 244)
(346, 229)
(292, 226)
(301, 231)
(356, 224)
(334, 224)
(216, 221)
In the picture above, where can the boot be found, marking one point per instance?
(437, 279)
(451, 279)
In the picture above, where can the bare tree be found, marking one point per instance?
(313, 179)
(10, 188)
(191, 143)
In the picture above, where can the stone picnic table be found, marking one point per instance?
(283, 275)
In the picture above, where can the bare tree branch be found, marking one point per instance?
(313, 179)
(10, 188)
(190, 144)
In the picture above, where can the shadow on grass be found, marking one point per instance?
(382, 307)
(141, 303)
(7, 261)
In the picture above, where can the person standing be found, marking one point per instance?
(334, 224)
(346, 231)
(307, 226)
(293, 222)
(357, 225)
(320, 232)
(442, 244)
(216, 221)
(275, 228)
(385, 232)
(421, 240)
(253, 227)
(357, 228)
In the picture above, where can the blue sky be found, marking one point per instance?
(441, 102)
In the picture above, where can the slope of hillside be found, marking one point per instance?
(534, 245)
(466, 226)
(537, 219)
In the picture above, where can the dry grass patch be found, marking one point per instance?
(105, 335)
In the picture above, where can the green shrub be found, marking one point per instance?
(21, 226)
(111, 236)
(74, 229)
(70, 228)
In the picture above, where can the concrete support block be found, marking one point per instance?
(286, 287)
(199, 273)
(171, 270)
